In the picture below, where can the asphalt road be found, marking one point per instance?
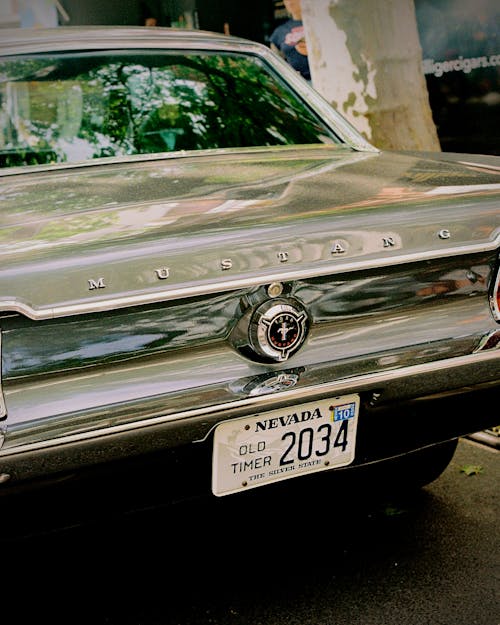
(432, 559)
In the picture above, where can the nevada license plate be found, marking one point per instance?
(284, 443)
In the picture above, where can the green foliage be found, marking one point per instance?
(471, 469)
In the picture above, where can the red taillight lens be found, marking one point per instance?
(495, 297)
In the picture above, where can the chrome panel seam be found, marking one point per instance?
(228, 285)
(351, 384)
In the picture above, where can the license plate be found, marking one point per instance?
(284, 443)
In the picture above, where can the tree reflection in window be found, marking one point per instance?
(77, 107)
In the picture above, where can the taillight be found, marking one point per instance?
(495, 297)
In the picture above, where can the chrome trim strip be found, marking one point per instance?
(481, 165)
(240, 283)
(162, 156)
(352, 384)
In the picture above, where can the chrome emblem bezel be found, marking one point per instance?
(277, 329)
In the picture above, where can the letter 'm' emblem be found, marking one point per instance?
(96, 284)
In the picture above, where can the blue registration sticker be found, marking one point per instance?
(344, 412)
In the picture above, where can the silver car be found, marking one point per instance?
(208, 275)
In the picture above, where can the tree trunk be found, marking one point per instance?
(366, 60)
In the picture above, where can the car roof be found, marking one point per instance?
(25, 40)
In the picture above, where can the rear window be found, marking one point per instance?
(58, 108)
